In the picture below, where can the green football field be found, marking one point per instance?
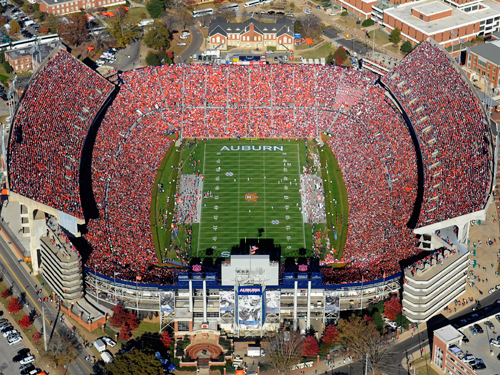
(254, 188)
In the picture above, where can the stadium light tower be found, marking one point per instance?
(454, 34)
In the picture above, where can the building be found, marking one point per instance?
(251, 34)
(28, 54)
(447, 354)
(61, 264)
(29, 59)
(471, 349)
(483, 62)
(435, 282)
(445, 21)
(61, 7)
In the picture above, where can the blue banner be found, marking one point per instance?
(298, 36)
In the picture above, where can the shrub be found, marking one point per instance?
(36, 337)
(368, 22)
(25, 322)
(6, 293)
(406, 47)
(344, 13)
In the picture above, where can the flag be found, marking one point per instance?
(384, 274)
(138, 278)
(253, 249)
(117, 273)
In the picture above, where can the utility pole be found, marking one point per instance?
(366, 364)
(44, 330)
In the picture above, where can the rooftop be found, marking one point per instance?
(457, 18)
(42, 52)
(489, 51)
(449, 334)
(434, 7)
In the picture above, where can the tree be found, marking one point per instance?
(59, 351)
(406, 47)
(152, 59)
(340, 54)
(125, 332)
(395, 36)
(120, 316)
(124, 33)
(53, 23)
(344, 13)
(311, 26)
(6, 293)
(14, 27)
(74, 29)
(155, 7)
(368, 22)
(36, 337)
(14, 306)
(184, 16)
(157, 36)
(139, 361)
(392, 307)
(331, 336)
(284, 350)
(8, 68)
(362, 337)
(25, 322)
(311, 348)
(166, 339)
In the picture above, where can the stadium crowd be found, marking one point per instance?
(453, 135)
(377, 158)
(370, 140)
(46, 144)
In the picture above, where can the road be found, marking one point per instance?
(194, 47)
(127, 59)
(359, 48)
(25, 288)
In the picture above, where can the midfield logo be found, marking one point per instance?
(251, 197)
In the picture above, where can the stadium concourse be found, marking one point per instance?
(372, 141)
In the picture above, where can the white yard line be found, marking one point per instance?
(238, 200)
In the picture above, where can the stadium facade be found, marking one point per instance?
(248, 294)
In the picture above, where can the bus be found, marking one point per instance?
(252, 3)
(202, 12)
(229, 7)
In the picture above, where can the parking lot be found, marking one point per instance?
(483, 347)
(29, 28)
(7, 352)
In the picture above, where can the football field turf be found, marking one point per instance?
(254, 193)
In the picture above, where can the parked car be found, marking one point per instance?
(29, 359)
(21, 355)
(468, 358)
(109, 341)
(186, 32)
(15, 340)
(478, 328)
(489, 324)
(497, 317)
(9, 332)
(271, 12)
(183, 37)
(478, 366)
(28, 369)
(473, 330)
(280, 13)
(291, 15)
(495, 343)
(181, 43)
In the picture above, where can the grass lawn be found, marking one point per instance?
(322, 51)
(335, 189)
(161, 201)
(146, 327)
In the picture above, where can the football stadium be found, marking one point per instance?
(190, 190)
